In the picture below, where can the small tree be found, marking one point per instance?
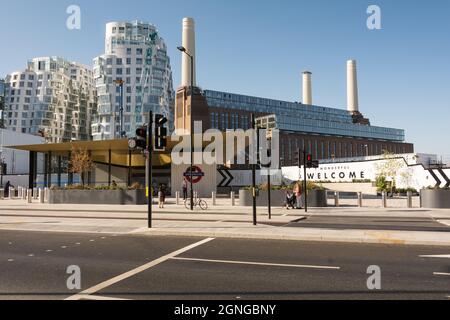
(389, 168)
(80, 162)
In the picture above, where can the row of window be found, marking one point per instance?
(334, 149)
(225, 121)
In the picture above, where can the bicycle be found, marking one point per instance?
(197, 203)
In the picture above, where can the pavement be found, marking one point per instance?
(34, 265)
(393, 225)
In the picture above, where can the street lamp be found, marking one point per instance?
(183, 49)
(120, 82)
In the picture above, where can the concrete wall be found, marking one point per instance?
(365, 188)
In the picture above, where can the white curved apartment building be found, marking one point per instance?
(52, 97)
(137, 55)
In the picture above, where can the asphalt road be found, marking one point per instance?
(338, 222)
(33, 266)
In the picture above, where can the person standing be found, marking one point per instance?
(185, 189)
(6, 191)
(162, 195)
(298, 194)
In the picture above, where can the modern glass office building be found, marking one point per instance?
(326, 133)
(135, 55)
(296, 117)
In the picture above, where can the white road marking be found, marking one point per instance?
(259, 263)
(444, 222)
(78, 243)
(137, 270)
(441, 274)
(10, 260)
(63, 247)
(31, 255)
(91, 240)
(49, 250)
(440, 256)
(88, 297)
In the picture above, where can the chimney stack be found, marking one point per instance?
(352, 87)
(307, 88)
(189, 44)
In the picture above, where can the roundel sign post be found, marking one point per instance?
(197, 174)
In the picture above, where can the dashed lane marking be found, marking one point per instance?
(137, 270)
(439, 256)
(441, 274)
(259, 263)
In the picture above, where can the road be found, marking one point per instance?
(33, 266)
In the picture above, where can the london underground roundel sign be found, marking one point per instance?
(197, 174)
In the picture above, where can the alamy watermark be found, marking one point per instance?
(374, 280)
(73, 21)
(74, 280)
(234, 147)
(374, 19)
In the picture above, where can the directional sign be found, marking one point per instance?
(447, 180)
(438, 175)
(227, 177)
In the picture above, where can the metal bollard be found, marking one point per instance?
(360, 199)
(177, 197)
(409, 199)
(233, 199)
(213, 196)
(35, 193)
(41, 195)
(12, 193)
(45, 194)
(29, 195)
(24, 193)
(336, 199)
(2, 193)
(384, 199)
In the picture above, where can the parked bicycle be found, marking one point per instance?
(198, 202)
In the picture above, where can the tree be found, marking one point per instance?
(389, 168)
(80, 162)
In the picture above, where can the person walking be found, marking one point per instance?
(298, 194)
(185, 189)
(6, 191)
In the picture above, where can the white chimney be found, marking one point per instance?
(189, 45)
(352, 87)
(307, 88)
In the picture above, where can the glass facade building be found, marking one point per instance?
(299, 118)
(136, 55)
(2, 102)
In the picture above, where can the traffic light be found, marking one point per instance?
(140, 141)
(310, 163)
(160, 132)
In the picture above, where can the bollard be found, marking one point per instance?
(213, 196)
(232, 199)
(409, 199)
(35, 193)
(45, 194)
(360, 199)
(384, 199)
(24, 193)
(41, 195)
(19, 192)
(29, 195)
(2, 193)
(177, 197)
(12, 192)
(336, 199)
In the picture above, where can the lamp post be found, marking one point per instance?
(183, 50)
(120, 82)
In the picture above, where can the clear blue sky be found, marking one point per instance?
(260, 47)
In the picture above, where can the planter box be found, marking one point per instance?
(435, 199)
(316, 198)
(115, 197)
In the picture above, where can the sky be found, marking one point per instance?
(260, 48)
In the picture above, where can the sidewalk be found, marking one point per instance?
(219, 221)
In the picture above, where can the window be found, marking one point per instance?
(119, 61)
(139, 51)
(138, 60)
(128, 52)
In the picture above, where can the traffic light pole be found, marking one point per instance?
(255, 222)
(149, 167)
(305, 185)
